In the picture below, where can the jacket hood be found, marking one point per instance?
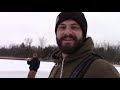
(86, 49)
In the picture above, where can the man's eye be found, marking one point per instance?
(62, 27)
(75, 27)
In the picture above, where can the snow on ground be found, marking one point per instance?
(20, 69)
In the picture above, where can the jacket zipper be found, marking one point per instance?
(62, 66)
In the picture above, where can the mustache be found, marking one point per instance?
(70, 36)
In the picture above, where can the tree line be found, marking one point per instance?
(109, 52)
(26, 50)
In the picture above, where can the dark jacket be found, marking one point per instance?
(99, 68)
(34, 63)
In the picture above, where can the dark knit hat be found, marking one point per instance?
(77, 16)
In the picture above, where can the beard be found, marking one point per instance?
(68, 49)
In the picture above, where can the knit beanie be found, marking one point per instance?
(77, 16)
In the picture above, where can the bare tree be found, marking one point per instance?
(42, 42)
(28, 42)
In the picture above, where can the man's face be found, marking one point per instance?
(69, 36)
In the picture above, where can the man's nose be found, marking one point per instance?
(68, 31)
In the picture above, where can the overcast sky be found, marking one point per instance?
(16, 26)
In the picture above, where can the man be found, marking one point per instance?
(75, 57)
(34, 65)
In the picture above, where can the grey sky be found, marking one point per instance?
(16, 26)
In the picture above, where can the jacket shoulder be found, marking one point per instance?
(102, 69)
